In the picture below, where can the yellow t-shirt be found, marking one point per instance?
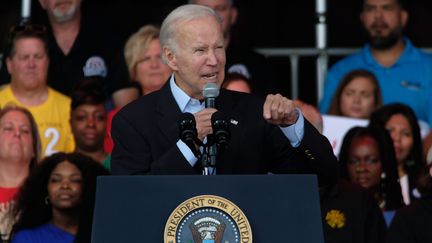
(52, 118)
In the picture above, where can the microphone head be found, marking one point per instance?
(221, 130)
(186, 116)
(218, 116)
(187, 129)
(211, 90)
(188, 132)
(186, 120)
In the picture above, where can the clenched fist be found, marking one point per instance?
(279, 110)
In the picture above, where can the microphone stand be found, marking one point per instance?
(188, 135)
(208, 157)
(216, 143)
(210, 92)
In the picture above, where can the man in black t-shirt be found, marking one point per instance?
(78, 49)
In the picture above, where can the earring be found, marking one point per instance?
(47, 201)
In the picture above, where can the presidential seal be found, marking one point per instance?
(207, 219)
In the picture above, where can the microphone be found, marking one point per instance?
(221, 130)
(210, 92)
(187, 131)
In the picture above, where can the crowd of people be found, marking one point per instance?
(76, 104)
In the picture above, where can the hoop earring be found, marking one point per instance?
(47, 201)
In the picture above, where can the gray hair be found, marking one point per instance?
(230, 2)
(178, 16)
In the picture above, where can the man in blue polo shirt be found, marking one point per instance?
(403, 71)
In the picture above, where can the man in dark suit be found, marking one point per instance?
(266, 136)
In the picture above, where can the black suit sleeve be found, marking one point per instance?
(133, 152)
(314, 155)
(316, 149)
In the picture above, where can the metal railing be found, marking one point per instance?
(320, 51)
(294, 55)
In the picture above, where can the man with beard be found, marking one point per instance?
(79, 48)
(403, 71)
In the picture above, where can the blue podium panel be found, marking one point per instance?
(279, 208)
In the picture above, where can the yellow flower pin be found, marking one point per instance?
(335, 218)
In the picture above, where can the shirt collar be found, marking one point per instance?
(409, 54)
(180, 96)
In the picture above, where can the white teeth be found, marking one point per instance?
(65, 196)
(210, 76)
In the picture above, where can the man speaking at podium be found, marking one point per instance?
(265, 136)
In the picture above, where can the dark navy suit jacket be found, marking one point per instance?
(146, 131)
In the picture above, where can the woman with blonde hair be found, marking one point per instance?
(143, 58)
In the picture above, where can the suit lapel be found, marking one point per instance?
(228, 105)
(168, 113)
